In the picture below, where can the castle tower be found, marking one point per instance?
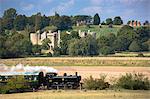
(33, 38)
(58, 34)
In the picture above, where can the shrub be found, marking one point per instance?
(134, 81)
(15, 83)
(135, 46)
(140, 55)
(95, 84)
(49, 54)
(106, 50)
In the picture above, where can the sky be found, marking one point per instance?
(127, 9)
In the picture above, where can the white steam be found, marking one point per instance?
(20, 69)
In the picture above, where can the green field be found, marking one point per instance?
(104, 31)
(76, 94)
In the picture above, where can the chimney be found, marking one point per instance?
(76, 73)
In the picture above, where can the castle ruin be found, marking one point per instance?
(38, 37)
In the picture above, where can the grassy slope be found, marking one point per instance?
(104, 94)
(79, 61)
(94, 28)
(104, 31)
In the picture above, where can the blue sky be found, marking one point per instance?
(127, 9)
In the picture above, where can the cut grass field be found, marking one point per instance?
(80, 61)
(104, 31)
(76, 94)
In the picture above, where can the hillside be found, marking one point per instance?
(99, 31)
(94, 28)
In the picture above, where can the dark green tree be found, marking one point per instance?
(8, 18)
(46, 44)
(85, 46)
(135, 46)
(109, 21)
(96, 19)
(36, 49)
(106, 50)
(124, 37)
(38, 22)
(128, 22)
(20, 22)
(57, 51)
(103, 23)
(117, 20)
(10, 13)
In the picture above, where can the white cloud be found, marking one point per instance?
(27, 7)
(91, 10)
(62, 7)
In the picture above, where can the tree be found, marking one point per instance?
(103, 23)
(143, 33)
(106, 40)
(121, 44)
(20, 22)
(62, 22)
(83, 46)
(135, 46)
(66, 39)
(147, 44)
(45, 44)
(117, 20)
(56, 51)
(79, 18)
(73, 47)
(64, 44)
(36, 49)
(124, 38)
(146, 22)
(96, 19)
(74, 34)
(106, 50)
(128, 22)
(109, 21)
(8, 18)
(10, 13)
(38, 22)
(15, 83)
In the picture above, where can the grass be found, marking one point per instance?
(104, 31)
(76, 94)
(79, 61)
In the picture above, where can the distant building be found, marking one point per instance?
(38, 37)
(84, 22)
(84, 34)
(134, 23)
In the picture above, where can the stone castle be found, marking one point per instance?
(38, 37)
(54, 36)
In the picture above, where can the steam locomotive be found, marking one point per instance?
(50, 80)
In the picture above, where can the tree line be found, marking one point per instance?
(127, 39)
(15, 41)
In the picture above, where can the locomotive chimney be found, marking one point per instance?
(76, 73)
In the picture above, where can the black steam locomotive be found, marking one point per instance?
(50, 80)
